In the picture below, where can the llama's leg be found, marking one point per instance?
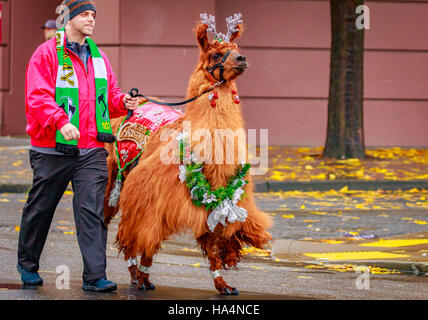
(210, 246)
(143, 274)
(230, 252)
(132, 268)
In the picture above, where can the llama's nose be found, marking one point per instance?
(241, 58)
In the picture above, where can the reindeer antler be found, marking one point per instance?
(210, 22)
(231, 24)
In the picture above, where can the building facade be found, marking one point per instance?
(151, 46)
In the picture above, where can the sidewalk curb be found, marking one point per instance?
(19, 188)
(273, 186)
(417, 268)
(290, 250)
(14, 188)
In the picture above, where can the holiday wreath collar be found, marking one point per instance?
(222, 201)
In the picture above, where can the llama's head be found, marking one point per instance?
(220, 58)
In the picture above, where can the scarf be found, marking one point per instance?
(67, 94)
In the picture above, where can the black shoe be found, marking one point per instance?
(100, 285)
(29, 278)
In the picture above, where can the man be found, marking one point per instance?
(71, 93)
(49, 29)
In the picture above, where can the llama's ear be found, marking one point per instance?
(201, 36)
(237, 34)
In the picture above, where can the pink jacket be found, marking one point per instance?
(44, 116)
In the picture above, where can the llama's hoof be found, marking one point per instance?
(230, 292)
(149, 286)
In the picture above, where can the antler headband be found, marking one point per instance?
(231, 23)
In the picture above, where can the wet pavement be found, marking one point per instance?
(180, 265)
(16, 291)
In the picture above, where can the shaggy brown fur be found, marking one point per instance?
(154, 203)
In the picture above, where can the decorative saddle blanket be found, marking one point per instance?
(135, 132)
(133, 135)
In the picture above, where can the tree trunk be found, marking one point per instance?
(345, 134)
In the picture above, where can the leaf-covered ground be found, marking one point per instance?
(306, 164)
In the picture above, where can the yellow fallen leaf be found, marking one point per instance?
(288, 216)
(255, 251)
(190, 250)
(344, 189)
(419, 222)
(196, 265)
(17, 163)
(331, 241)
(318, 213)
(17, 228)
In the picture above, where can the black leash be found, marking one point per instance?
(134, 91)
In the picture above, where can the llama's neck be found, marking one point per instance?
(224, 118)
(226, 114)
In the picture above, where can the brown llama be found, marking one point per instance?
(155, 204)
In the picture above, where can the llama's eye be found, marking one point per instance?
(216, 56)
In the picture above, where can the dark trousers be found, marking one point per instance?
(51, 175)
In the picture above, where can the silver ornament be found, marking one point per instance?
(226, 210)
(115, 194)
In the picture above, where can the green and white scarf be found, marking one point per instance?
(67, 94)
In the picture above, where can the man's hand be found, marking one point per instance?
(131, 103)
(70, 132)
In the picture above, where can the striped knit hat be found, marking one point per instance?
(76, 7)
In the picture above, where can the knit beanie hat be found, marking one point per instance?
(76, 7)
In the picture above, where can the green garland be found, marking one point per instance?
(200, 189)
